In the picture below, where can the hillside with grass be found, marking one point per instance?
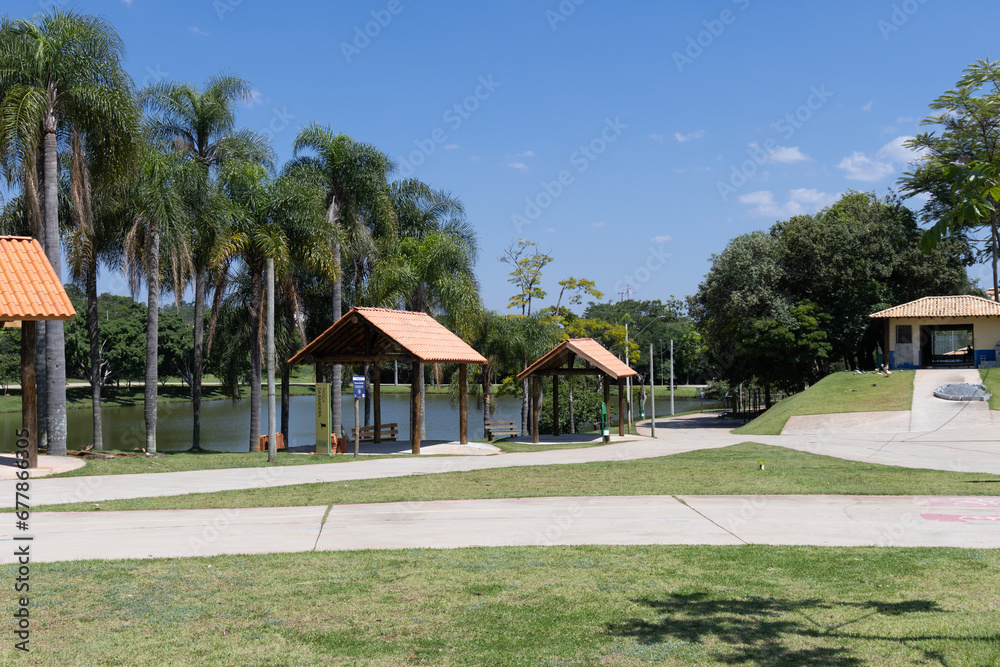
(836, 393)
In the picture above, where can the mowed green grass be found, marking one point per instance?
(836, 393)
(991, 378)
(619, 606)
(728, 470)
(204, 460)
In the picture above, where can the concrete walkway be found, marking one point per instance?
(716, 520)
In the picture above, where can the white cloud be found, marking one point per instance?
(600, 224)
(906, 119)
(450, 147)
(656, 137)
(661, 239)
(787, 155)
(861, 167)
(517, 165)
(550, 230)
(256, 99)
(127, 2)
(800, 202)
(689, 137)
(525, 154)
(195, 29)
(868, 107)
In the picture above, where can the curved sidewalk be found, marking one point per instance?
(712, 520)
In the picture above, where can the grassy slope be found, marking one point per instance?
(729, 470)
(838, 392)
(991, 378)
(672, 605)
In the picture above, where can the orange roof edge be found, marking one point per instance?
(29, 287)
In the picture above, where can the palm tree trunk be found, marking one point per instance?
(55, 339)
(996, 241)
(572, 420)
(96, 375)
(368, 396)
(285, 402)
(487, 395)
(256, 362)
(338, 306)
(152, 340)
(200, 292)
(41, 386)
(272, 416)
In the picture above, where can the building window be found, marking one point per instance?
(904, 334)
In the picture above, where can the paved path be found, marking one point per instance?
(716, 520)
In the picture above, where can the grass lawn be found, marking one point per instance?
(838, 392)
(991, 378)
(673, 605)
(728, 470)
(206, 460)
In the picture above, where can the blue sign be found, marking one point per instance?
(359, 386)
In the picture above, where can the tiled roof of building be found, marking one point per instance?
(29, 288)
(378, 334)
(587, 349)
(942, 306)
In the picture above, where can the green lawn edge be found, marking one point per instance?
(541, 605)
(732, 470)
(837, 393)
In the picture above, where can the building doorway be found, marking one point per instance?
(947, 346)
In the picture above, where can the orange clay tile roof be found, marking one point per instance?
(942, 306)
(378, 334)
(587, 349)
(29, 288)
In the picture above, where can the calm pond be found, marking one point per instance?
(225, 424)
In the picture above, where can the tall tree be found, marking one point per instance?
(354, 177)
(278, 219)
(159, 217)
(60, 72)
(201, 125)
(959, 165)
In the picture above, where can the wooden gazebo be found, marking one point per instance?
(29, 291)
(377, 335)
(597, 361)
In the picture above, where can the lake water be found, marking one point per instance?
(226, 424)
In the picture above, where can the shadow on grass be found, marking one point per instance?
(767, 631)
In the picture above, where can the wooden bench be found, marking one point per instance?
(387, 433)
(504, 427)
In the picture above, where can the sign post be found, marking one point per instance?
(359, 393)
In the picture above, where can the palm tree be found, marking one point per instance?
(277, 219)
(358, 206)
(158, 215)
(60, 72)
(201, 125)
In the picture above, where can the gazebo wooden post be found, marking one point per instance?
(415, 406)
(555, 405)
(463, 404)
(534, 413)
(377, 395)
(621, 406)
(607, 405)
(29, 405)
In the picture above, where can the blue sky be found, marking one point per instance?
(631, 140)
